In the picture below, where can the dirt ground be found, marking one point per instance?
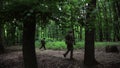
(54, 59)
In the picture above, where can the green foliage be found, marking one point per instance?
(60, 45)
(79, 45)
(56, 45)
(56, 17)
(103, 44)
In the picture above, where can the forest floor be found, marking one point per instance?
(54, 58)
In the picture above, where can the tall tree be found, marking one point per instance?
(89, 57)
(1, 24)
(1, 40)
(116, 24)
(29, 40)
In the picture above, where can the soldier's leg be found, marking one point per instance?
(44, 47)
(66, 53)
(71, 54)
(41, 47)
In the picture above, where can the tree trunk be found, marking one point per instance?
(89, 57)
(99, 26)
(29, 54)
(1, 40)
(100, 35)
(116, 19)
(13, 37)
(80, 35)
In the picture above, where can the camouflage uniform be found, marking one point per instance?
(69, 40)
(43, 44)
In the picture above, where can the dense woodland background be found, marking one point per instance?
(26, 22)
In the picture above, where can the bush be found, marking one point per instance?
(58, 45)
